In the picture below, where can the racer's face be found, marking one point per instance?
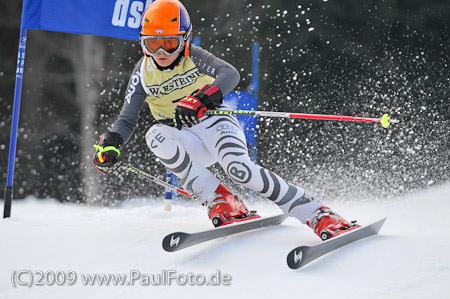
(163, 60)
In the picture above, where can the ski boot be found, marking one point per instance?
(226, 208)
(328, 224)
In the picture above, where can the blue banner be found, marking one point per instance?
(112, 18)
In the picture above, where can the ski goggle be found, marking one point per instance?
(168, 44)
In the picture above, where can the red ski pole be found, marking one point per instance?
(385, 120)
(154, 179)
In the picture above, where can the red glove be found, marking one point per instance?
(189, 110)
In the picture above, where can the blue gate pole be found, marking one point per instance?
(254, 86)
(15, 123)
(169, 194)
(254, 92)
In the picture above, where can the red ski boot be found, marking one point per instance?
(226, 208)
(328, 224)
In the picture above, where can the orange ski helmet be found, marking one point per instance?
(164, 22)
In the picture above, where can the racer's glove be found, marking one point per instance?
(107, 153)
(190, 109)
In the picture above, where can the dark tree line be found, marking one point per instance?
(346, 57)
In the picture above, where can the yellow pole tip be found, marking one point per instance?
(385, 121)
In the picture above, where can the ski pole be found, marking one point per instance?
(154, 179)
(385, 120)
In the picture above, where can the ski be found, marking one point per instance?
(180, 240)
(303, 255)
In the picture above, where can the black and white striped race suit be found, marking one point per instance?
(216, 139)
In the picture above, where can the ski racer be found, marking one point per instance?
(179, 81)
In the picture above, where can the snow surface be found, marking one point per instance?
(409, 259)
